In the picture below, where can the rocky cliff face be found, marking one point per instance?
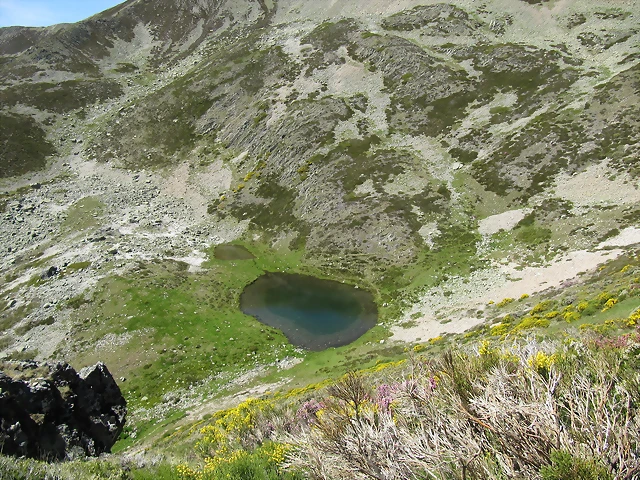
(50, 411)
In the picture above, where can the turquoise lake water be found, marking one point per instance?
(313, 313)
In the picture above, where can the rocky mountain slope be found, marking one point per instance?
(441, 155)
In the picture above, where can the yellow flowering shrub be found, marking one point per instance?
(231, 426)
(541, 362)
(602, 328)
(235, 441)
(187, 473)
(499, 329)
(485, 349)
(571, 316)
(609, 303)
(530, 322)
(604, 297)
(582, 306)
(634, 318)
(509, 356)
(276, 453)
(312, 387)
(228, 463)
(227, 457)
(539, 308)
(505, 301)
(378, 367)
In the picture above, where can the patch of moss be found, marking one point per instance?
(10, 317)
(440, 19)
(21, 330)
(533, 235)
(83, 214)
(126, 68)
(326, 39)
(462, 155)
(61, 97)
(355, 164)
(276, 213)
(23, 145)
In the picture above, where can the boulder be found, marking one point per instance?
(51, 412)
(50, 273)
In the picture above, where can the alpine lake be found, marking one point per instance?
(313, 313)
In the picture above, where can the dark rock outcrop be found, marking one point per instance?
(50, 411)
(50, 273)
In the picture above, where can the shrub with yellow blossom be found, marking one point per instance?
(604, 297)
(233, 426)
(634, 319)
(505, 301)
(238, 445)
(187, 473)
(499, 329)
(571, 316)
(485, 348)
(528, 323)
(541, 362)
(540, 307)
(609, 303)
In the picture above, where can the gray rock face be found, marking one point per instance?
(50, 411)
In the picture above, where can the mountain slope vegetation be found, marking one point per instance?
(463, 162)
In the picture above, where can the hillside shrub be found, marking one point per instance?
(540, 307)
(239, 443)
(571, 316)
(530, 411)
(505, 301)
(565, 466)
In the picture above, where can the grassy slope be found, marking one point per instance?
(617, 280)
(187, 328)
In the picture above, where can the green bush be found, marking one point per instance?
(533, 235)
(161, 472)
(90, 469)
(21, 469)
(252, 467)
(564, 466)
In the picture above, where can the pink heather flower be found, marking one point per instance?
(615, 342)
(432, 383)
(308, 410)
(384, 396)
